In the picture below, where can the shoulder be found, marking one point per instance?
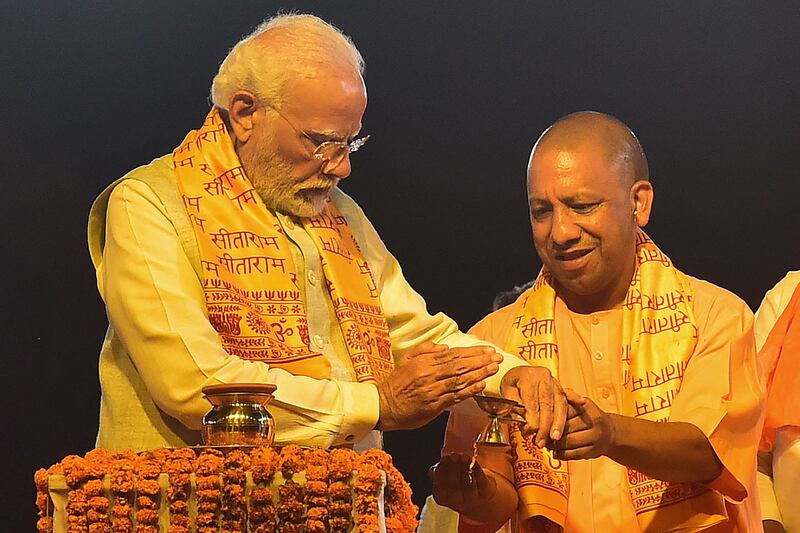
(153, 179)
(715, 307)
(143, 187)
(495, 326)
(772, 306)
(709, 294)
(778, 296)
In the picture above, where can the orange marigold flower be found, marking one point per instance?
(148, 487)
(44, 524)
(147, 516)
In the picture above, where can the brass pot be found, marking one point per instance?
(239, 415)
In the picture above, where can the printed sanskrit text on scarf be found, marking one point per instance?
(250, 280)
(659, 335)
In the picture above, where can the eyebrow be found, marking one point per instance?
(332, 135)
(328, 135)
(580, 196)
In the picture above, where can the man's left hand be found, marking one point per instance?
(588, 434)
(544, 400)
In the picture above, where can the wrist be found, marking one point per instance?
(385, 418)
(616, 432)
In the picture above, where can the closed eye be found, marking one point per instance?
(584, 209)
(539, 212)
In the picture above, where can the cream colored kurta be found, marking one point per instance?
(161, 349)
(720, 394)
(779, 483)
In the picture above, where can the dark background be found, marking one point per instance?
(458, 93)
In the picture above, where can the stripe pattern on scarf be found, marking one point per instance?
(250, 281)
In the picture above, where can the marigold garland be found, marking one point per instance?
(179, 465)
(401, 513)
(209, 496)
(75, 473)
(291, 495)
(147, 492)
(261, 510)
(234, 503)
(365, 496)
(316, 461)
(43, 502)
(341, 463)
(336, 490)
(121, 480)
(98, 462)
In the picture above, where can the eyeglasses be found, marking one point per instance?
(332, 153)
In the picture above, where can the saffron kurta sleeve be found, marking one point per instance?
(779, 470)
(722, 396)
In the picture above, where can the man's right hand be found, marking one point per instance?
(486, 495)
(454, 486)
(431, 378)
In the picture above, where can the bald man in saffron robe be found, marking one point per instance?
(659, 367)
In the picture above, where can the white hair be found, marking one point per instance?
(280, 48)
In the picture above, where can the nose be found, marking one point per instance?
(564, 231)
(339, 170)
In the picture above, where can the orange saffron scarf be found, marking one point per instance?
(659, 335)
(252, 294)
(780, 361)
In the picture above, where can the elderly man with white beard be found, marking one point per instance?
(236, 258)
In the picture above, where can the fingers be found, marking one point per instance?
(576, 404)
(575, 424)
(576, 440)
(484, 485)
(574, 398)
(545, 412)
(559, 412)
(467, 392)
(457, 384)
(586, 452)
(426, 348)
(529, 398)
(458, 361)
(450, 480)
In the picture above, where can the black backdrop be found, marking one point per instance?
(458, 92)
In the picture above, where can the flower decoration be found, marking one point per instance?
(401, 513)
(341, 464)
(291, 506)
(317, 491)
(209, 497)
(147, 492)
(44, 524)
(179, 465)
(234, 503)
(261, 511)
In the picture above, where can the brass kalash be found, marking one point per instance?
(500, 411)
(239, 415)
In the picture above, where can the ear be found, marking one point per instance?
(642, 202)
(242, 114)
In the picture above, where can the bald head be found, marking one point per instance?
(589, 194)
(598, 131)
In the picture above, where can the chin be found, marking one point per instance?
(304, 208)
